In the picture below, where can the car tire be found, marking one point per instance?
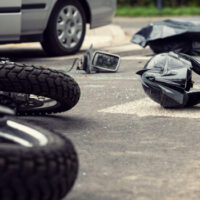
(66, 29)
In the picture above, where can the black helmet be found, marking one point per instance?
(167, 79)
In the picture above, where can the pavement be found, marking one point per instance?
(128, 146)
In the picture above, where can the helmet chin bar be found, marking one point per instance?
(167, 79)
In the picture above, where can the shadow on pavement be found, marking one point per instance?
(55, 122)
(16, 54)
(22, 53)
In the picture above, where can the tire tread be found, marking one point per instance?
(37, 173)
(42, 82)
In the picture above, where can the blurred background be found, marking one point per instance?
(158, 8)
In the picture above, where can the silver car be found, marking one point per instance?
(59, 25)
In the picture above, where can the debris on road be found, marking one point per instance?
(167, 79)
(97, 62)
(179, 35)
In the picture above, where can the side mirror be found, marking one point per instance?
(99, 62)
(106, 62)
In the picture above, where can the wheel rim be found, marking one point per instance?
(38, 103)
(13, 132)
(69, 26)
(25, 103)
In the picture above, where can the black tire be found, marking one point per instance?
(21, 78)
(51, 43)
(40, 172)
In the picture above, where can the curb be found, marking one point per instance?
(104, 36)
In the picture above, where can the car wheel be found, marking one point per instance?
(66, 29)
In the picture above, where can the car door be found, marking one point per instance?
(10, 20)
(102, 12)
(35, 16)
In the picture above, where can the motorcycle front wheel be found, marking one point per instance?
(56, 91)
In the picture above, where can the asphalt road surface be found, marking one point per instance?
(128, 146)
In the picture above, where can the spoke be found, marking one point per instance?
(69, 11)
(62, 37)
(61, 26)
(76, 39)
(69, 41)
(79, 27)
(63, 15)
(76, 16)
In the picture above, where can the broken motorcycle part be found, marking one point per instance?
(167, 79)
(34, 90)
(98, 62)
(34, 163)
(179, 35)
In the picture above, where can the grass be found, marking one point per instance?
(153, 11)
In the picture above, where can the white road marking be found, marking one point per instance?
(146, 107)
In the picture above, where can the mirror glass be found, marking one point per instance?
(105, 61)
